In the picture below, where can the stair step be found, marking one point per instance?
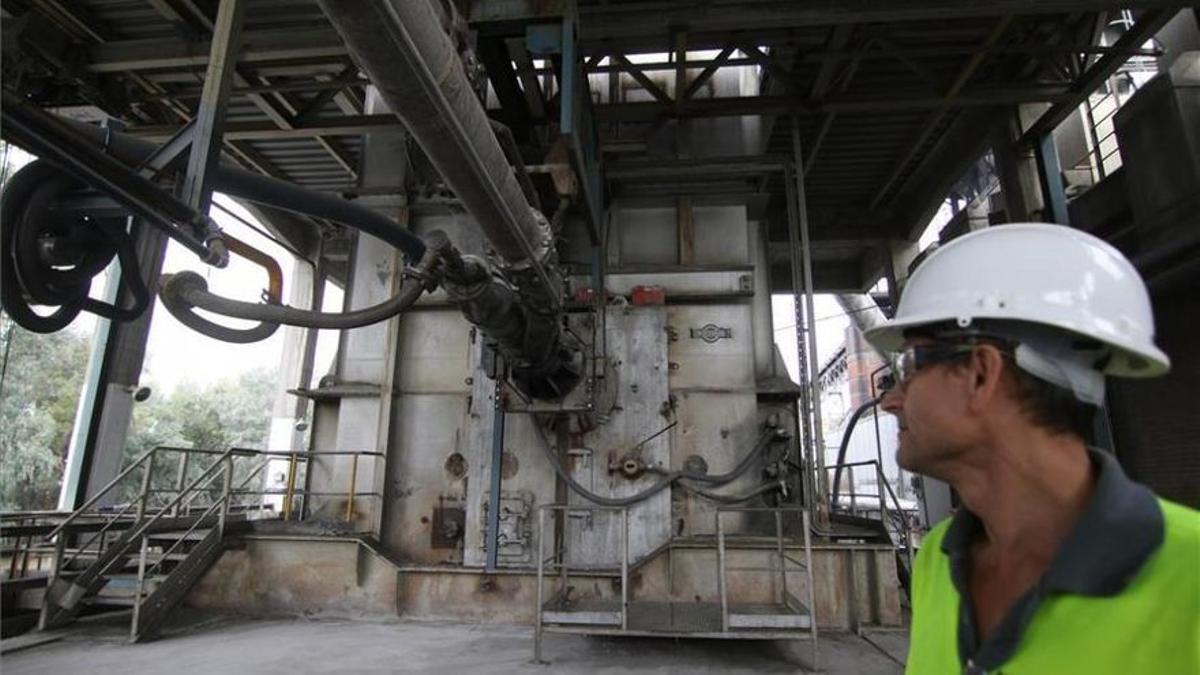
(194, 535)
(151, 557)
(124, 585)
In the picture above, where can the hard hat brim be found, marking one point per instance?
(1129, 360)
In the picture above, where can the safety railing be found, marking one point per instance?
(789, 606)
(896, 518)
(787, 617)
(163, 483)
(559, 560)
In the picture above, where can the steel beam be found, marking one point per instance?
(838, 39)
(647, 84)
(531, 88)
(1093, 77)
(176, 54)
(495, 481)
(1050, 175)
(268, 131)
(625, 21)
(114, 370)
(196, 188)
(931, 124)
(705, 75)
(878, 102)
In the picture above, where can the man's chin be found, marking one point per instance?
(907, 459)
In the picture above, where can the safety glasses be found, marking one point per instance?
(907, 362)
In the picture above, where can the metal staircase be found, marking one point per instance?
(148, 552)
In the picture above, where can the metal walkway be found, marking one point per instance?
(788, 617)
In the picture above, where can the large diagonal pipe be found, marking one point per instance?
(410, 59)
(403, 48)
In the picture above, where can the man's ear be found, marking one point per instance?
(986, 371)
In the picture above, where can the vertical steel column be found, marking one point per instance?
(541, 565)
(1050, 174)
(803, 420)
(812, 592)
(210, 119)
(114, 369)
(624, 568)
(810, 379)
(493, 513)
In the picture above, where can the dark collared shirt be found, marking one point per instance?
(1117, 532)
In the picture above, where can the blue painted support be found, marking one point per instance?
(1050, 173)
(493, 512)
(566, 120)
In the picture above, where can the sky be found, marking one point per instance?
(176, 353)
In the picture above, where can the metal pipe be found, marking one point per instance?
(263, 260)
(416, 68)
(264, 190)
(402, 47)
(291, 488)
(350, 492)
(508, 144)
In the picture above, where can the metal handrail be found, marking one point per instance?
(92, 538)
(104, 491)
(222, 502)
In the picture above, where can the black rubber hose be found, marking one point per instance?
(654, 489)
(176, 289)
(187, 290)
(17, 192)
(845, 444)
(736, 499)
(745, 463)
(288, 197)
(253, 187)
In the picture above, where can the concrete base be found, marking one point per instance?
(205, 644)
(340, 577)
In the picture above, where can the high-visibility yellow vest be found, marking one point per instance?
(1151, 627)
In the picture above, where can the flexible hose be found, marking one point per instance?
(176, 288)
(662, 483)
(188, 290)
(837, 473)
(253, 187)
(63, 280)
(737, 499)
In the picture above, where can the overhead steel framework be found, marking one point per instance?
(892, 99)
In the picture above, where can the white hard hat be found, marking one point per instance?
(1045, 276)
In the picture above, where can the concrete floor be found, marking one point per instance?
(211, 644)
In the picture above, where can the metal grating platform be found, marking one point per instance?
(674, 619)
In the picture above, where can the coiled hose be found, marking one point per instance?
(51, 259)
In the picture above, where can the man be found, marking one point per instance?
(1056, 562)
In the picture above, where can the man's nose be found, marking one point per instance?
(892, 400)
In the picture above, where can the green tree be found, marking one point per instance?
(232, 412)
(39, 391)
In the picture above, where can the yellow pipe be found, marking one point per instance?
(291, 486)
(350, 493)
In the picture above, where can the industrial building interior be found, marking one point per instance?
(557, 427)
